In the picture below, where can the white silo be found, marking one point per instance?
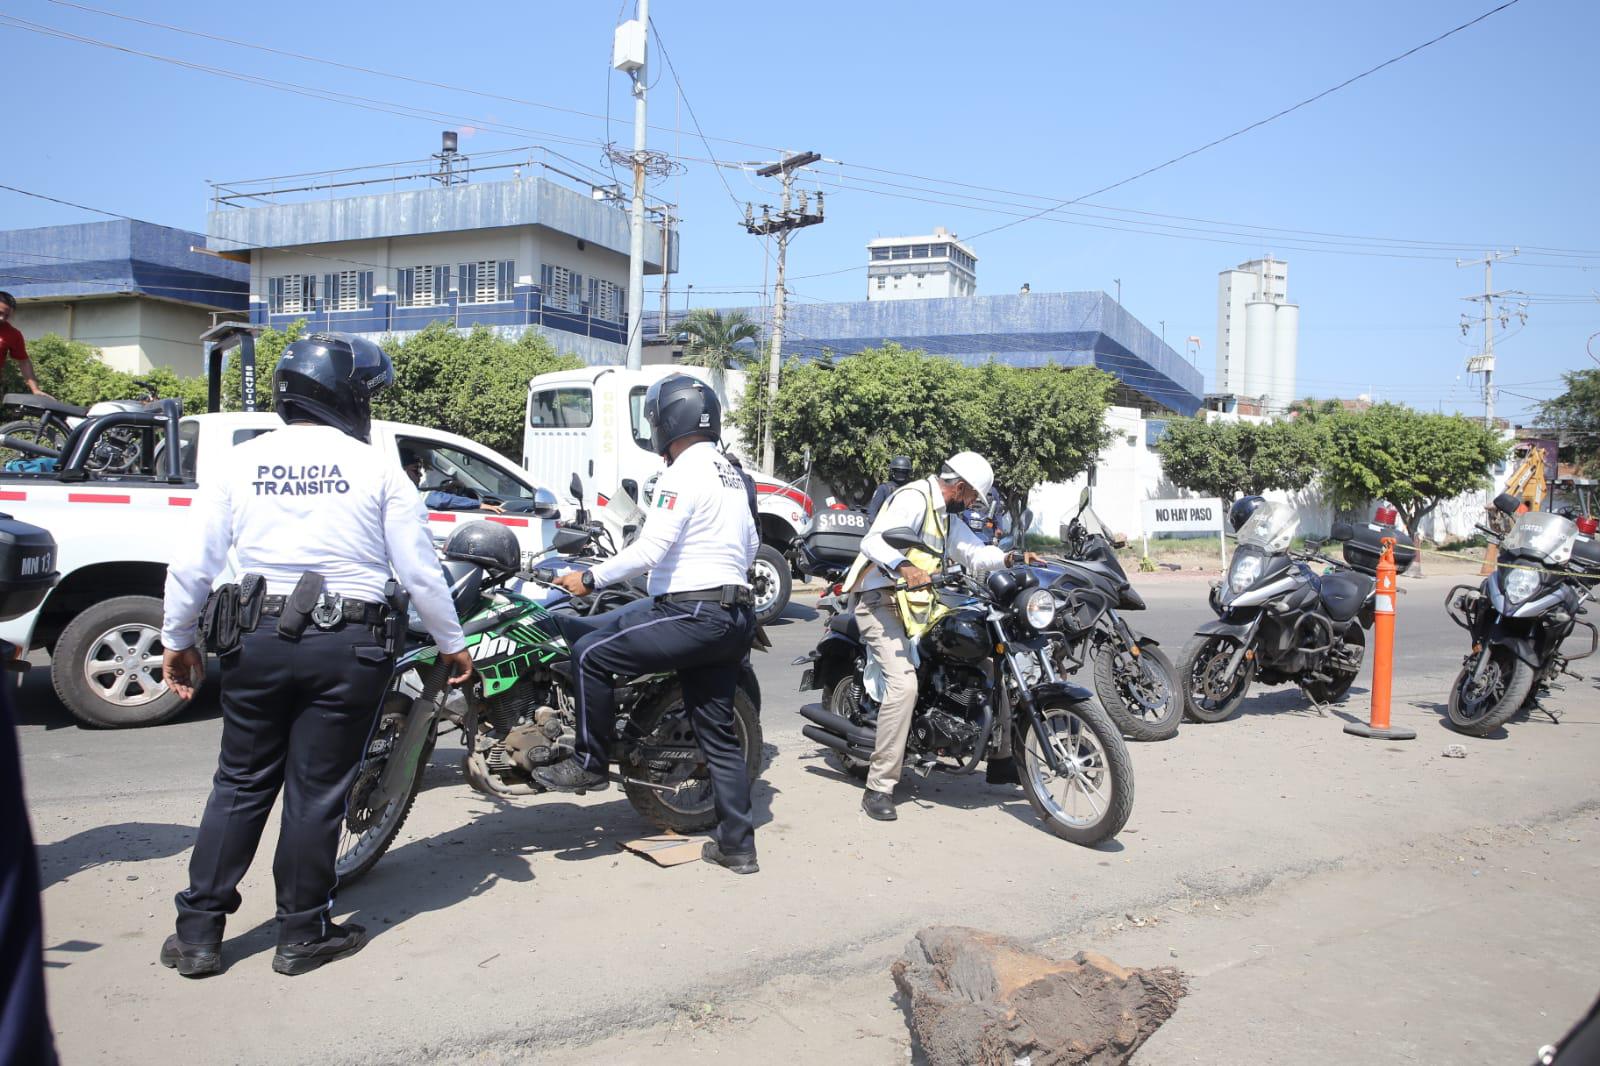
(1259, 334)
(1285, 354)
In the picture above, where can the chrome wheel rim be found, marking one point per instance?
(1146, 690)
(123, 666)
(1081, 794)
(1212, 687)
(764, 589)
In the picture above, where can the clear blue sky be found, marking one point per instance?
(1485, 140)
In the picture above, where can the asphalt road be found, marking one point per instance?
(512, 929)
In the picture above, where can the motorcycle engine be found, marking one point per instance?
(952, 721)
(512, 725)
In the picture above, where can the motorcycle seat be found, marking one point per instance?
(844, 624)
(29, 401)
(1343, 593)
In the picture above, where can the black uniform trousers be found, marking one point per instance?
(706, 643)
(296, 715)
(24, 1026)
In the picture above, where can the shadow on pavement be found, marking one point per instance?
(36, 702)
(123, 842)
(794, 612)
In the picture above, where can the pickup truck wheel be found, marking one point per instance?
(772, 583)
(107, 665)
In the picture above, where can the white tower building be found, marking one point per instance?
(920, 268)
(1258, 333)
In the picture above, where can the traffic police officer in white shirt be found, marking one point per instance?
(931, 508)
(698, 544)
(322, 516)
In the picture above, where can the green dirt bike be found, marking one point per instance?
(522, 704)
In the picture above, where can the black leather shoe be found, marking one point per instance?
(740, 862)
(341, 942)
(878, 805)
(568, 776)
(191, 960)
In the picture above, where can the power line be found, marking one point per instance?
(1259, 122)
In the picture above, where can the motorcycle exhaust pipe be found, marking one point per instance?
(839, 727)
(28, 447)
(837, 743)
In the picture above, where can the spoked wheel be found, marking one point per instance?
(844, 700)
(1479, 707)
(1212, 691)
(1087, 795)
(1139, 691)
(675, 792)
(374, 813)
(52, 437)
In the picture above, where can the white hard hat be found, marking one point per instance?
(972, 468)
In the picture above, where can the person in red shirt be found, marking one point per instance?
(12, 346)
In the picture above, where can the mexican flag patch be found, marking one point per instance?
(669, 500)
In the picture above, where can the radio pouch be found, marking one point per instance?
(219, 620)
(394, 626)
(298, 605)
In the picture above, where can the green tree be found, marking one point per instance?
(1576, 414)
(1412, 459)
(489, 386)
(1233, 459)
(717, 343)
(74, 372)
(1041, 424)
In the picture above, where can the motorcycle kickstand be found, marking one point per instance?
(1316, 704)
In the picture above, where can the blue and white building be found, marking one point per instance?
(526, 253)
(137, 291)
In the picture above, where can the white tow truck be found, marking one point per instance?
(101, 625)
(590, 423)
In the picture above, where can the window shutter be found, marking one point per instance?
(275, 296)
(508, 277)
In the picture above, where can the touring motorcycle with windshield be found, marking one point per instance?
(1278, 619)
(521, 707)
(1520, 617)
(986, 688)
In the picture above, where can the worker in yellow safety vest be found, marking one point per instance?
(894, 603)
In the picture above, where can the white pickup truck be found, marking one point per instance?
(102, 623)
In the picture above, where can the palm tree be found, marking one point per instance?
(714, 342)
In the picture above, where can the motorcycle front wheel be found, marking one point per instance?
(1139, 692)
(373, 818)
(1087, 796)
(676, 794)
(1210, 693)
(1479, 709)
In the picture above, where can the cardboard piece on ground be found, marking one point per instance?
(668, 849)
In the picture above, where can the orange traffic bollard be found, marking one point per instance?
(1383, 655)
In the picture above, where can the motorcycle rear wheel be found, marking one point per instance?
(1204, 698)
(691, 810)
(360, 849)
(1507, 680)
(1142, 697)
(1091, 802)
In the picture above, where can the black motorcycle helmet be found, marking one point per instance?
(900, 469)
(489, 544)
(681, 406)
(330, 379)
(1242, 509)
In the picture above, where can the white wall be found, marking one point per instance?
(133, 333)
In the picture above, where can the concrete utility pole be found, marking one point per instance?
(666, 258)
(1483, 363)
(786, 220)
(628, 56)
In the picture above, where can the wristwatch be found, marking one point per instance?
(588, 580)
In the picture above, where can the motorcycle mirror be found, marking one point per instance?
(1085, 496)
(904, 538)
(1343, 531)
(575, 487)
(569, 540)
(1119, 540)
(1026, 523)
(631, 487)
(1506, 503)
(1314, 542)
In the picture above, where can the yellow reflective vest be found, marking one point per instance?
(919, 608)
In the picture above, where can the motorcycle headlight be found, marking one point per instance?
(1243, 573)
(1520, 584)
(1039, 609)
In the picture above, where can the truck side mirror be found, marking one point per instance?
(545, 504)
(1506, 503)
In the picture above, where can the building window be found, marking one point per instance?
(422, 286)
(486, 281)
(880, 253)
(348, 290)
(561, 287)
(940, 250)
(882, 281)
(292, 294)
(919, 251)
(607, 300)
(902, 252)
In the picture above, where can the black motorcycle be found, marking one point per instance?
(1132, 675)
(986, 688)
(1520, 617)
(1279, 621)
